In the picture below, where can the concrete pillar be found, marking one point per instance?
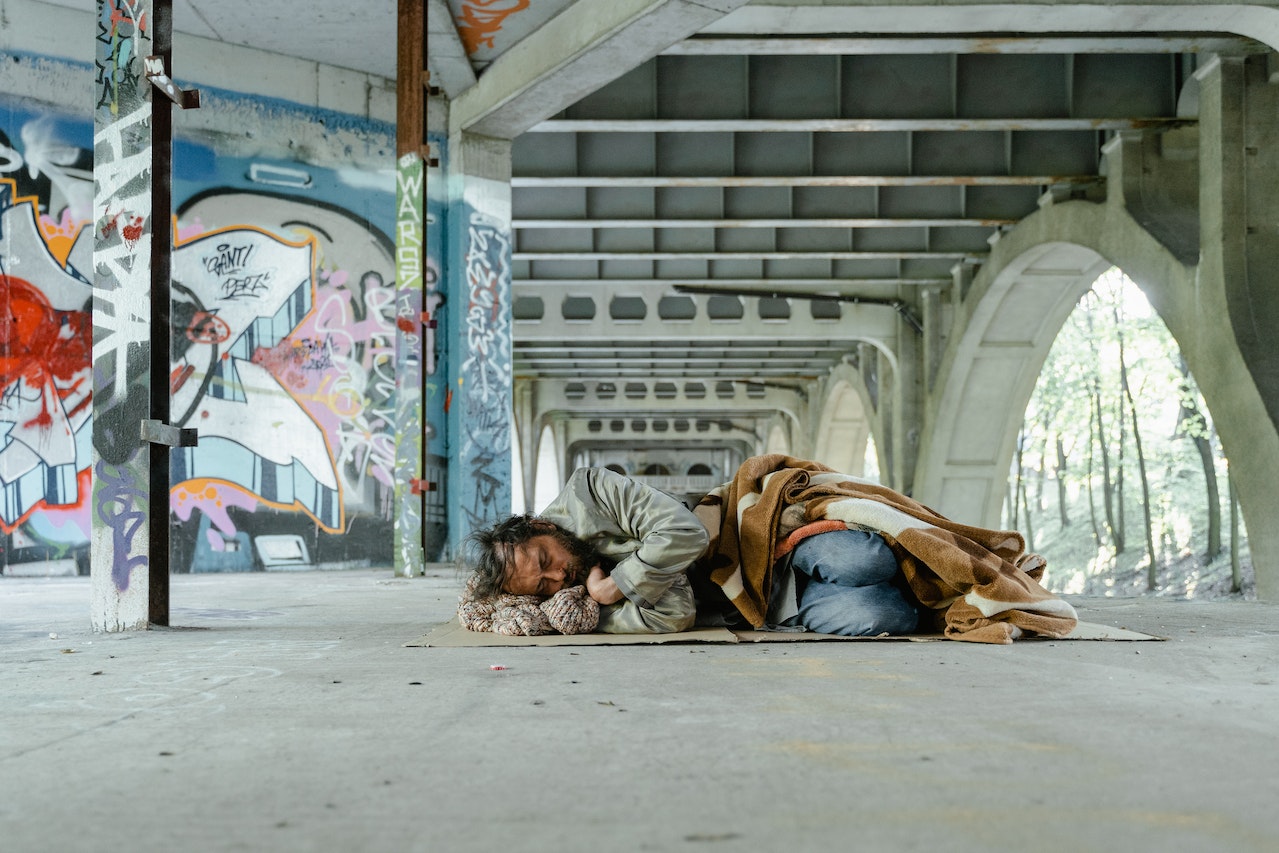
(908, 377)
(478, 307)
(120, 548)
(1240, 261)
(930, 305)
(1242, 208)
(435, 341)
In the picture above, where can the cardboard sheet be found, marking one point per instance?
(452, 635)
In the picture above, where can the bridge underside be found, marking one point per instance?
(817, 227)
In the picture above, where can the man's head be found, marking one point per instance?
(526, 555)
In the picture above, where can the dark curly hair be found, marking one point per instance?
(488, 552)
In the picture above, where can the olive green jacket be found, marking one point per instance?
(651, 537)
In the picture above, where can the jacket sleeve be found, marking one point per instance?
(654, 536)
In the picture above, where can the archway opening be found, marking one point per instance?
(549, 478)
(1118, 477)
(844, 441)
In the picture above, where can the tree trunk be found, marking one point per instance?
(1092, 502)
(1018, 486)
(1060, 472)
(1236, 573)
(1041, 474)
(1192, 424)
(1028, 527)
(1113, 527)
(1152, 566)
(1121, 526)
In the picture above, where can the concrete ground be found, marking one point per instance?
(284, 714)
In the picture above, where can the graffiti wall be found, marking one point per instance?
(284, 352)
(46, 387)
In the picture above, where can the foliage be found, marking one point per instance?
(1076, 489)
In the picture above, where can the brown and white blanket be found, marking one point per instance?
(981, 584)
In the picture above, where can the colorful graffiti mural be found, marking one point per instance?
(287, 371)
(284, 347)
(46, 391)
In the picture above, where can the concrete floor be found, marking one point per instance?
(285, 715)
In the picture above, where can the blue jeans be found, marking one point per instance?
(845, 580)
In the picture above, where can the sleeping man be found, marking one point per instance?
(787, 544)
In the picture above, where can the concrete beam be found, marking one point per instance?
(848, 125)
(584, 47)
(446, 57)
(633, 181)
(923, 44)
(829, 222)
(866, 322)
(1257, 22)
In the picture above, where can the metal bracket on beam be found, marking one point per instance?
(417, 487)
(158, 74)
(156, 432)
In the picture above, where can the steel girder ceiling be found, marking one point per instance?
(752, 208)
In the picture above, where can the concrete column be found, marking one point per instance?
(435, 339)
(908, 377)
(478, 306)
(930, 304)
(120, 547)
(1239, 165)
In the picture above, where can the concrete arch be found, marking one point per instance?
(778, 440)
(1008, 321)
(845, 423)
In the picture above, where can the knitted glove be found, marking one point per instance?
(524, 619)
(517, 615)
(569, 611)
(572, 611)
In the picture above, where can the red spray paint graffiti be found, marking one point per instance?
(44, 379)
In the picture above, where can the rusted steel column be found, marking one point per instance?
(131, 337)
(413, 322)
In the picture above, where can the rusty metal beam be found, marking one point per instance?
(410, 92)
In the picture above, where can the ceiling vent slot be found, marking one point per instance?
(627, 309)
(774, 308)
(724, 308)
(676, 308)
(577, 308)
(528, 308)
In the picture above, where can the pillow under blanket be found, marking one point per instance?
(569, 611)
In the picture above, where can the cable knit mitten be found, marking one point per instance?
(572, 611)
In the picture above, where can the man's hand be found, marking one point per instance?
(602, 587)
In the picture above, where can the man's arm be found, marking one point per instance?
(652, 536)
(664, 536)
(602, 587)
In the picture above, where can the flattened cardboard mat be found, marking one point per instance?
(452, 635)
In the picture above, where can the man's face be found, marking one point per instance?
(543, 566)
